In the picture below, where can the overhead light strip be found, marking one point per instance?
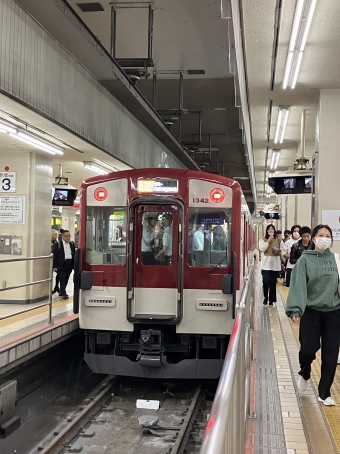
(303, 16)
(281, 124)
(275, 159)
(104, 165)
(95, 168)
(30, 139)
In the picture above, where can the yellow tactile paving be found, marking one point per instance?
(332, 414)
(25, 315)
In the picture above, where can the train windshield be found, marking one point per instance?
(209, 237)
(106, 235)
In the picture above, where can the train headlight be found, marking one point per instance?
(217, 195)
(100, 194)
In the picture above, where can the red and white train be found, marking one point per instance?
(161, 259)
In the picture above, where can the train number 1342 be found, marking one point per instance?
(202, 200)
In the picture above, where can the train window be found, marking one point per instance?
(156, 241)
(106, 235)
(209, 237)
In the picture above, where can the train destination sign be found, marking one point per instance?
(157, 186)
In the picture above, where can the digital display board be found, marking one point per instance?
(271, 215)
(207, 219)
(291, 184)
(157, 186)
(64, 197)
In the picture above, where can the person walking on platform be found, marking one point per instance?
(314, 301)
(270, 264)
(54, 240)
(63, 261)
(303, 244)
(287, 246)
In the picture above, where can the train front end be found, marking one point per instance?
(157, 272)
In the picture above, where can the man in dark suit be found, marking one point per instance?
(63, 261)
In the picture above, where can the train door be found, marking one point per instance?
(155, 262)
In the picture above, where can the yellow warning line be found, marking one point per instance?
(332, 414)
(39, 310)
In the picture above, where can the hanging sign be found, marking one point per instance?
(12, 210)
(8, 182)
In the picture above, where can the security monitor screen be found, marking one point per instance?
(64, 197)
(272, 215)
(308, 183)
(60, 195)
(289, 183)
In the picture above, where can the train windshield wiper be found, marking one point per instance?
(218, 264)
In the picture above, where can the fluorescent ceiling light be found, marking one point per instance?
(31, 143)
(304, 12)
(95, 168)
(7, 128)
(44, 145)
(281, 124)
(104, 165)
(266, 205)
(271, 174)
(30, 139)
(275, 159)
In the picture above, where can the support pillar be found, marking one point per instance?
(327, 182)
(34, 173)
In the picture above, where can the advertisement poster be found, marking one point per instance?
(332, 218)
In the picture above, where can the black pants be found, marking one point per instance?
(288, 275)
(64, 275)
(313, 326)
(148, 258)
(269, 279)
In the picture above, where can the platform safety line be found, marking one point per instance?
(332, 414)
(39, 310)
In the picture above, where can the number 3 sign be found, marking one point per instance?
(8, 181)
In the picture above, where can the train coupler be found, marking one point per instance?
(151, 349)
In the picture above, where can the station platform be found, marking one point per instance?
(287, 421)
(25, 335)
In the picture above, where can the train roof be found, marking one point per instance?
(155, 172)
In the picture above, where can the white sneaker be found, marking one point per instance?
(302, 384)
(329, 401)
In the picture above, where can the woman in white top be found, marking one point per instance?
(270, 247)
(286, 248)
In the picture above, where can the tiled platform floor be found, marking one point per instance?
(21, 323)
(287, 421)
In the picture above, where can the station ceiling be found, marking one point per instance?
(188, 35)
(319, 69)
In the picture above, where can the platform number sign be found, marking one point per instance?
(8, 181)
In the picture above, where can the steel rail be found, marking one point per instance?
(181, 437)
(83, 417)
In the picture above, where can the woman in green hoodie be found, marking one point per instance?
(314, 301)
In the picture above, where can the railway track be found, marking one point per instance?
(111, 423)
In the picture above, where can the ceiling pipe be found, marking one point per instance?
(303, 133)
(301, 162)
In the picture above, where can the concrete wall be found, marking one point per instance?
(38, 71)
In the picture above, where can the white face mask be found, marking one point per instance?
(322, 243)
(296, 235)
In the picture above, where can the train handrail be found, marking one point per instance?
(225, 431)
(28, 284)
